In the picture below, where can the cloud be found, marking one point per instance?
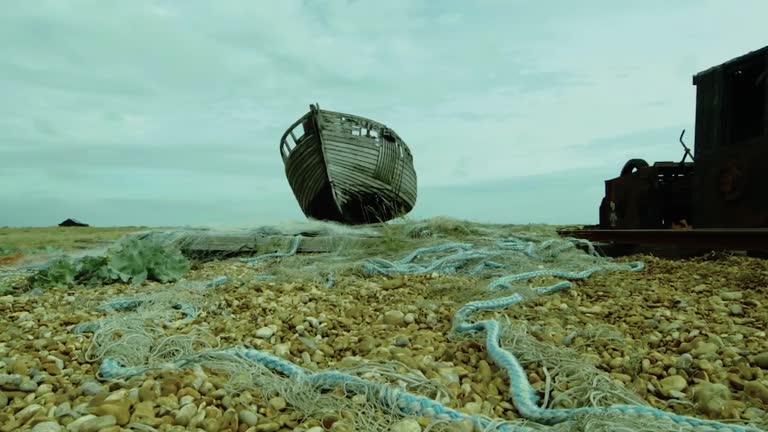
(157, 99)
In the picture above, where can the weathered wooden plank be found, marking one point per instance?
(338, 153)
(258, 244)
(355, 142)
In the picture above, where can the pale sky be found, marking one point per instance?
(151, 112)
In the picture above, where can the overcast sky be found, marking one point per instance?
(150, 112)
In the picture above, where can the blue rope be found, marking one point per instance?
(127, 304)
(260, 258)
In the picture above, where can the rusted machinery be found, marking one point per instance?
(726, 188)
(723, 189)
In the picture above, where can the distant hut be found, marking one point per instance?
(72, 223)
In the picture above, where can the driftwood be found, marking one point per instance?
(347, 168)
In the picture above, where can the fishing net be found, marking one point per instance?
(165, 328)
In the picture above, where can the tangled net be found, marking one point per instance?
(372, 396)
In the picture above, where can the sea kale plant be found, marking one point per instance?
(133, 259)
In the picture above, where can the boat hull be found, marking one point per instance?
(348, 168)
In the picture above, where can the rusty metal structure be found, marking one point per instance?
(724, 186)
(347, 168)
(722, 189)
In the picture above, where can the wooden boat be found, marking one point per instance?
(347, 168)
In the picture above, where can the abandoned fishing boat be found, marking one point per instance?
(347, 168)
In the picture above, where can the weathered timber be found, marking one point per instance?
(347, 168)
(249, 243)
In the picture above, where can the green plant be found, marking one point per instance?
(137, 259)
(132, 260)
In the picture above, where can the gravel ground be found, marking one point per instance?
(688, 336)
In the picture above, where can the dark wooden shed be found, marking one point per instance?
(72, 223)
(731, 148)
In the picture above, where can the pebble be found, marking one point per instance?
(265, 332)
(77, 424)
(268, 427)
(48, 426)
(92, 388)
(97, 424)
(394, 318)
(119, 409)
(28, 386)
(27, 413)
(401, 341)
(185, 414)
(278, 403)
(407, 425)
(3, 400)
(732, 295)
(761, 360)
(672, 383)
(705, 349)
(44, 389)
(144, 412)
(248, 417)
(757, 390)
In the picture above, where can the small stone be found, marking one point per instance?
(188, 391)
(268, 427)
(3, 400)
(672, 383)
(315, 429)
(48, 426)
(736, 309)
(278, 403)
(169, 386)
(731, 295)
(685, 361)
(751, 413)
(248, 417)
(28, 386)
(119, 409)
(473, 408)
(185, 414)
(408, 425)
(761, 360)
(28, 412)
(77, 424)
(265, 332)
(147, 394)
(712, 398)
(401, 341)
(367, 344)
(409, 318)
(282, 350)
(62, 410)
(394, 318)
(484, 369)
(144, 412)
(44, 389)
(92, 388)
(705, 349)
(757, 390)
(97, 424)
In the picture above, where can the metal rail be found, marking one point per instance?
(748, 239)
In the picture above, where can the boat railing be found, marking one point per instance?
(285, 147)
